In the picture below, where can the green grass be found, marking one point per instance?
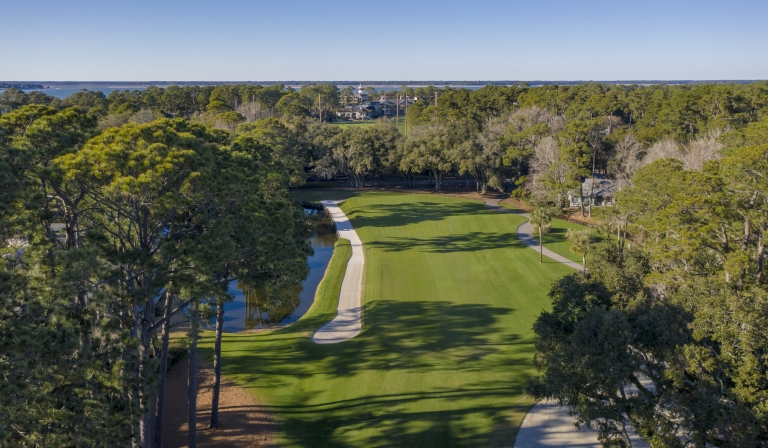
(557, 242)
(316, 195)
(446, 349)
(400, 127)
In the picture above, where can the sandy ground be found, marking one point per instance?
(347, 323)
(243, 422)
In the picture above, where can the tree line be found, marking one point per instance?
(665, 332)
(122, 211)
(545, 139)
(108, 236)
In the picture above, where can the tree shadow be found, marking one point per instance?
(396, 335)
(555, 235)
(400, 338)
(465, 242)
(403, 214)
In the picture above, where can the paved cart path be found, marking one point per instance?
(525, 234)
(547, 424)
(347, 323)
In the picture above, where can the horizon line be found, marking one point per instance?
(384, 82)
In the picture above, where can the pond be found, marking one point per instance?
(254, 308)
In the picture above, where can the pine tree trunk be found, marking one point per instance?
(760, 251)
(192, 379)
(217, 365)
(147, 321)
(624, 236)
(618, 236)
(160, 403)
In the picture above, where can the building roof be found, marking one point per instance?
(602, 188)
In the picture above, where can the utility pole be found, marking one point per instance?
(320, 106)
(435, 107)
(397, 112)
(406, 115)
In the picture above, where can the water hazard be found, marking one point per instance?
(255, 308)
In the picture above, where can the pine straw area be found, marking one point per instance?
(243, 422)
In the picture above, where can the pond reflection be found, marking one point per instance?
(254, 308)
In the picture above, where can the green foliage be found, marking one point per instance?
(106, 222)
(357, 151)
(541, 219)
(664, 336)
(581, 243)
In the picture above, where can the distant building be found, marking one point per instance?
(361, 96)
(362, 109)
(596, 192)
(356, 112)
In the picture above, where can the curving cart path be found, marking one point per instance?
(348, 321)
(525, 234)
(548, 424)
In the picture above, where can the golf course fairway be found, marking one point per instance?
(446, 348)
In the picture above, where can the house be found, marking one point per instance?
(356, 112)
(596, 191)
(362, 109)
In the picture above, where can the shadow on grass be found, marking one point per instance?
(555, 235)
(430, 339)
(392, 427)
(319, 194)
(466, 242)
(396, 335)
(403, 214)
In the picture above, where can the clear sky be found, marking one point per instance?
(238, 40)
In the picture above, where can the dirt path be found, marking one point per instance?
(347, 323)
(243, 422)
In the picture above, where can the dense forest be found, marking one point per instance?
(108, 237)
(494, 134)
(665, 330)
(120, 211)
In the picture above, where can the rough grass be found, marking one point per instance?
(446, 349)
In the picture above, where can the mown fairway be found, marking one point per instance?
(449, 299)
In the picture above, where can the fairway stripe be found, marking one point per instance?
(347, 323)
(548, 424)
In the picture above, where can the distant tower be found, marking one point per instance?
(361, 95)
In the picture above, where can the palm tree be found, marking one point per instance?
(540, 220)
(581, 243)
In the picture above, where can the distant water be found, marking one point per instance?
(396, 88)
(63, 93)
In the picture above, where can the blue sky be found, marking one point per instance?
(235, 40)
